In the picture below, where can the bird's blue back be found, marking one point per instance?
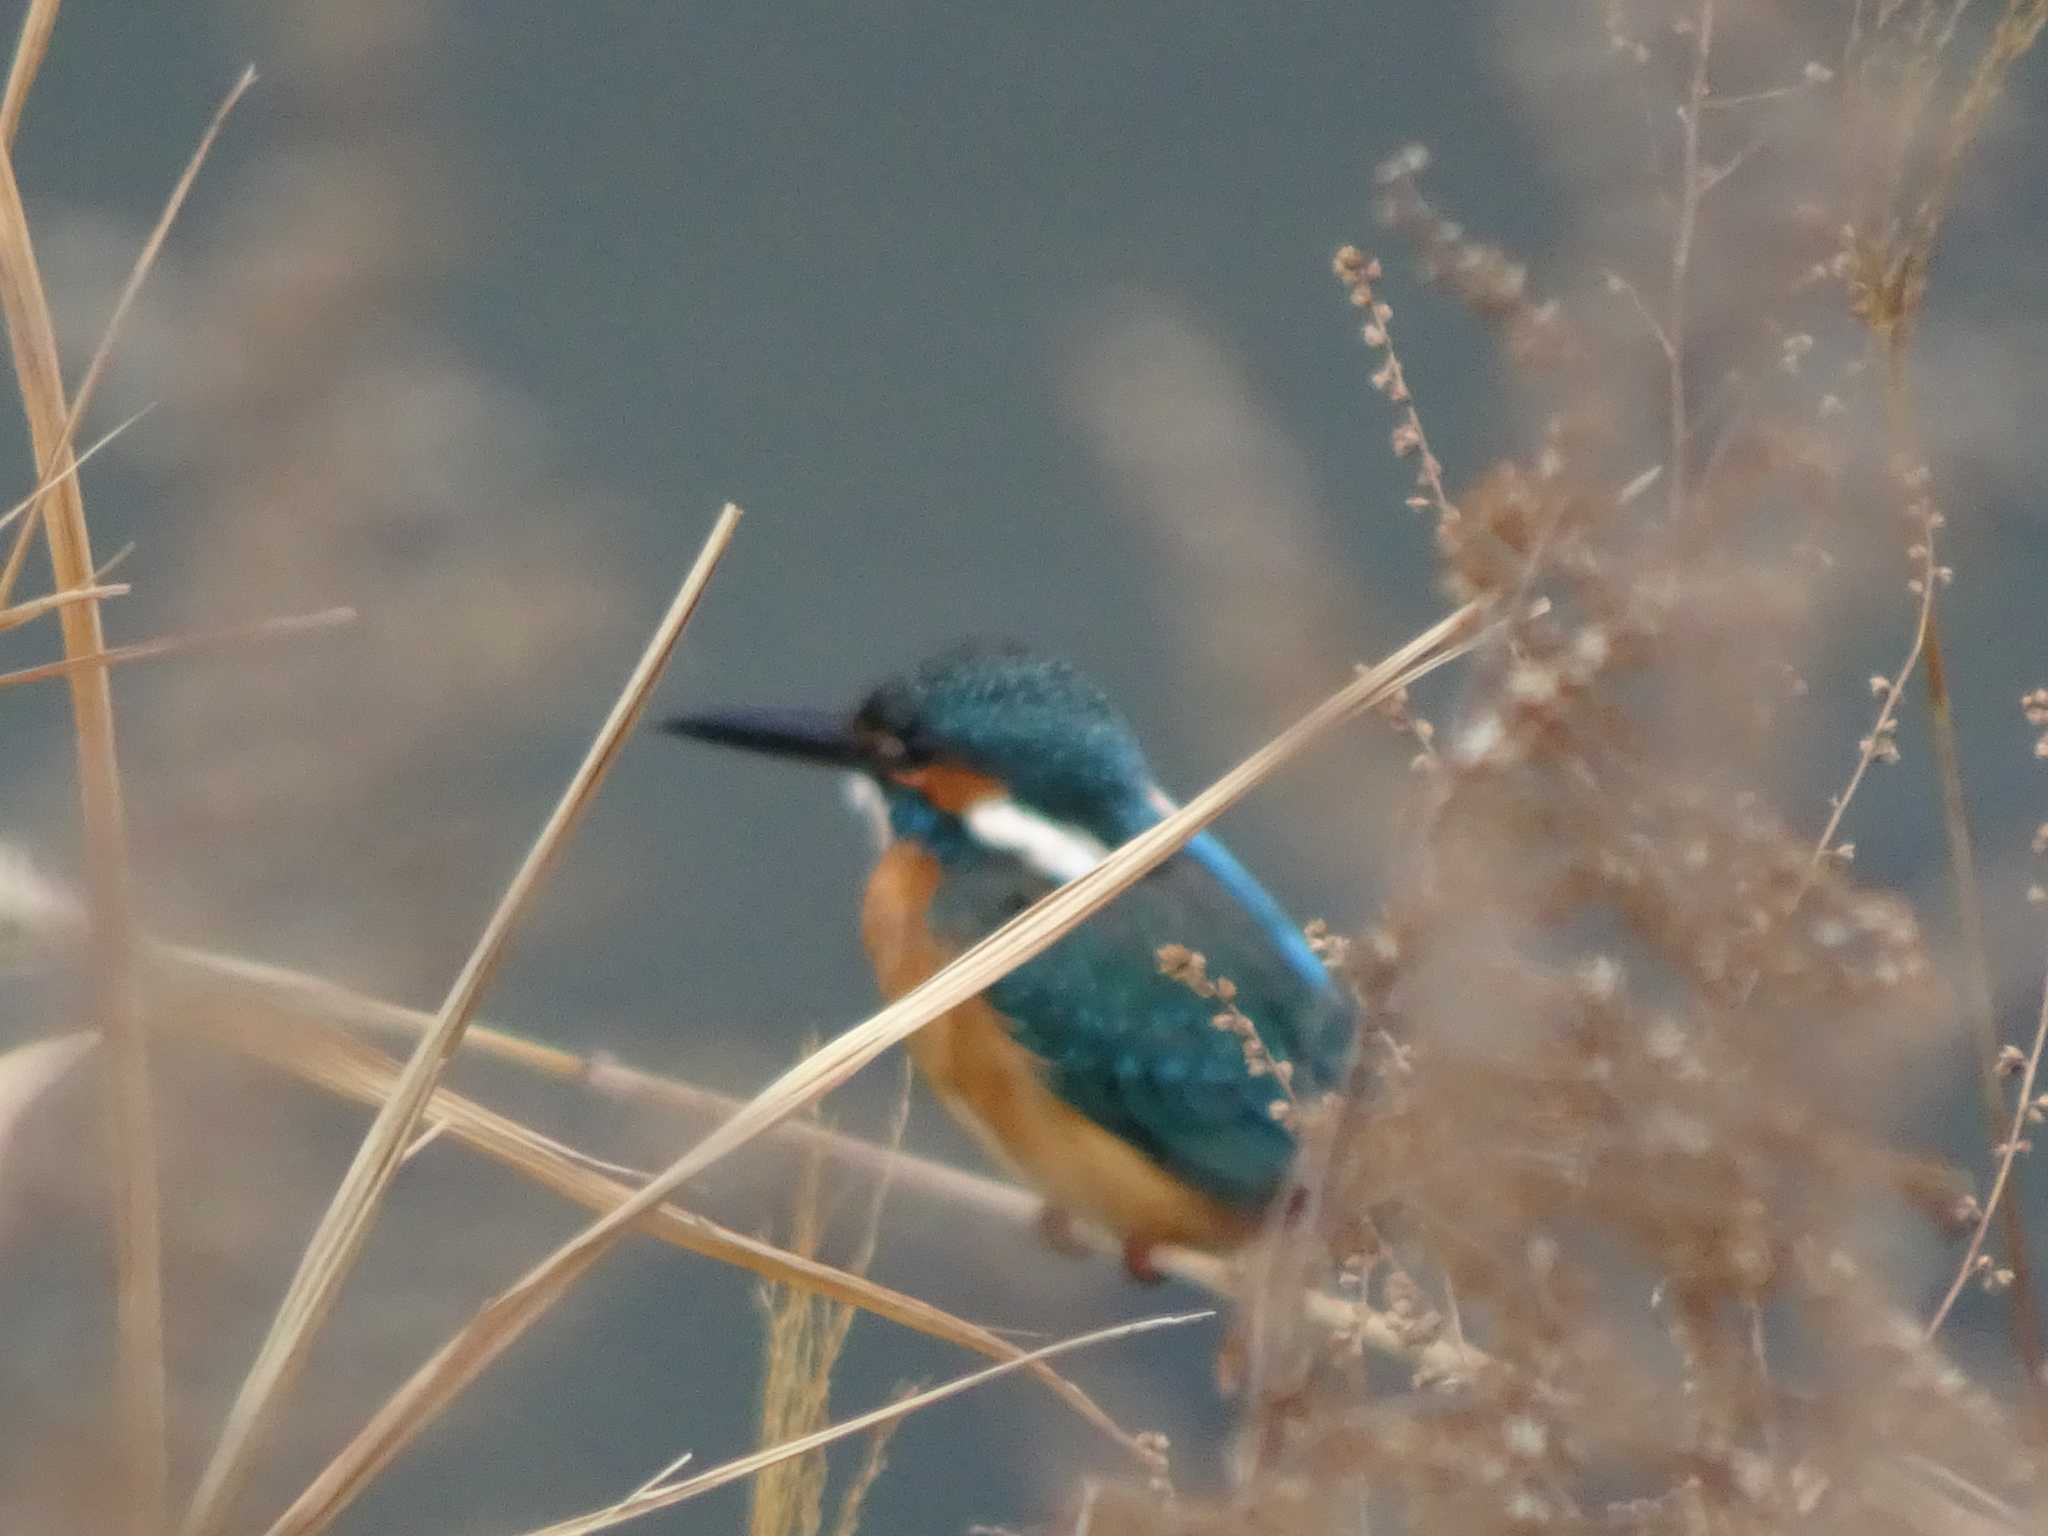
(1136, 1051)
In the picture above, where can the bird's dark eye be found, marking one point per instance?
(890, 750)
(888, 733)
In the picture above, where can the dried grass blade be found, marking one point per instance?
(2006, 1152)
(306, 997)
(49, 602)
(72, 467)
(327, 1056)
(501, 1321)
(114, 561)
(342, 1230)
(33, 46)
(666, 1496)
(97, 661)
(130, 1108)
(322, 998)
(96, 370)
(152, 248)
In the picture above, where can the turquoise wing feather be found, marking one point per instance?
(1138, 1052)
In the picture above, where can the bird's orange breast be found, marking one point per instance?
(997, 1089)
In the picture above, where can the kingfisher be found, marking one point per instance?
(1123, 1093)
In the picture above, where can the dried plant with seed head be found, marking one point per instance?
(1601, 1232)
(1630, 1027)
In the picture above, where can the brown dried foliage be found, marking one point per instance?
(1614, 1126)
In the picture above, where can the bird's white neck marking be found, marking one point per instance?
(868, 802)
(1054, 849)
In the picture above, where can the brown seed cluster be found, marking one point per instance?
(1621, 1124)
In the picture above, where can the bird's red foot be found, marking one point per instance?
(1056, 1227)
(1138, 1262)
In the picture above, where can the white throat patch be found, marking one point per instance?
(865, 796)
(1053, 848)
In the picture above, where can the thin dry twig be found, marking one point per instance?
(805, 1337)
(300, 1018)
(319, 997)
(130, 1110)
(2006, 1156)
(50, 602)
(96, 370)
(278, 1032)
(1879, 743)
(98, 661)
(506, 1318)
(1692, 187)
(1359, 273)
(1890, 303)
(853, 1502)
(76, 463)
(342, 1231)
(647, 1501)
(1974, 964)
(316, 997)
(37, 24)
(114, 561)
(1690, 190)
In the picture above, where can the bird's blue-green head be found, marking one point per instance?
(980, 728)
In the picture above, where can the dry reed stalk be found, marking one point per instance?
(1691, 188)
(648, 1500)
(2007, 1154)
(96, 369)
(99, 661)
(75, 464)
(293, 998)
(802, 1339)
(319, 997)
(343, 1229)
(130, 1110)
(1891, 284)
(281, 1036)
(504, 1319)
(853, 1502)
(37, 25)
(34, 608)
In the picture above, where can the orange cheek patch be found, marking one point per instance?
(951, 789)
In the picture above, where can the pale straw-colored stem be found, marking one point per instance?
(99, 661)
(130, 1109)
(96, 370)
(71, 468)
(276, 1027)
(339, 1238)
(666, 1495)
(2006, 1154)
(50, 602)
(316, 997)
(1691, 188)
(506, 1318)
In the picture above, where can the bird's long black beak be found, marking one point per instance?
(802, 735)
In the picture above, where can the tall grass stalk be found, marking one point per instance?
(465, 1357)
(342, 1231)
(130, 1112)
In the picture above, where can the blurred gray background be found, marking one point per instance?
(996, 320)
